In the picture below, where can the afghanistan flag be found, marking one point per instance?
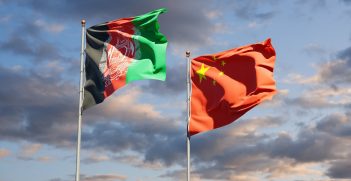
(122, 51)
(228, 84)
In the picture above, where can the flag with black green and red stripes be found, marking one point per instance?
(122, 51)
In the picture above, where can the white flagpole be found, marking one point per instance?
(80, 100)
(188, 117)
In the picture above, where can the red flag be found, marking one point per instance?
(226, 85)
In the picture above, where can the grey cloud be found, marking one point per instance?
(265, 16)
(308, 102)
(313, 144)
(224, 157)
(110, 177)
(336, 124)
(310, 146)
(56, 179)
(250, 10)
(175, 82)
(345, 55)
(44, 114)
(132, 121)
(346, 1)
(340, 169)
(154, 145)
(314, 49)
(30, 43)
(312, 3)
(33, 109)
(181, 24)
(17, 44)
(38, 51)
(168, 151)
(43, 109)
(186, 23)
(336, 71)
(114, 138)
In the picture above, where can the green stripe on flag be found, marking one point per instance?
(150, 55)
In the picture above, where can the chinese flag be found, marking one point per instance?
(226, 85)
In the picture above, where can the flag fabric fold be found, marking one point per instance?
(121, 51)
(226, 85)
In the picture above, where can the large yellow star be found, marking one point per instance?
(202, 72)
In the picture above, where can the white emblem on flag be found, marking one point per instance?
(116, 59)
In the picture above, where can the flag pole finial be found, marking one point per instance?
(83, 22)
(187, 53)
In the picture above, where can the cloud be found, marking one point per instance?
(278, 100)
(139, 117)
(336, 124)
(94, 158)
(141, 163)
(180, 175)
(175, 82)
(332, 72)
(320, 96)
(254, 152)
(188, 22)
(4, 19)
(206, 158)
(37, 108)
(310, 146)
(45, 158)
(308, 101)
(31, 44)
(296, 78)
(4, 153)
(251, 10)
(340, 169)
(314, 49)
(337, 71)
(106, 177)
(56, 179)
(313, 3)
(53, 28)
(346, 1)
(153, 146)
(213, 14)
(123, 124)
(47, 114)
(27, 151)
(345, 55)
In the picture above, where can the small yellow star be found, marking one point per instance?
(219, 74)
(214, 57)
(202, 72)
(223, 63)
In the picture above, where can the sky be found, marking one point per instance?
(139, 133)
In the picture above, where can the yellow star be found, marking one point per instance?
(202, 72)
(219, 74)
(214, 57)
(222, 63)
